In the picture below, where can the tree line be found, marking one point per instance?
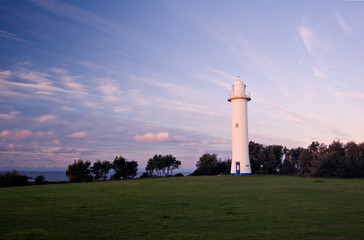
(158, 165)
(317, 160)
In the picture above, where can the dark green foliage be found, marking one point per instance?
(14, 178)
(160, 165)
(145, 175)
(272, 156)
(40, 180)
(79, 171)
(101, 169)
(209, 164)
(335, 160)
(179, 175)
(256, 156)
(124, 169)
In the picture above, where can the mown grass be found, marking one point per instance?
(217, 207)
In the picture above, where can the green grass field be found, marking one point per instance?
(217, 207)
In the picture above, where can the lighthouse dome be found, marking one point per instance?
(238, 88)
(238, 82)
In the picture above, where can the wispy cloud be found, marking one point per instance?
(91, 19)
(188, 144)
(219, 78)
(343, 25)
(68, 108)
(71, 82)
(285, 113)
(309, 39)
(47, 118)
(110, 90)
(49, 86)
(121, 109)
(335, 129)
(164, 84)
(5, 74)
(218, 141)
(9, 35)
(32, 81)
(357, 95)
(9, 116)
(320, 73)
(195, 108)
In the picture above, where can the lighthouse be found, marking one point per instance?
(239, 97)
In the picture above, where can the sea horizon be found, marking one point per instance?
(61, 175)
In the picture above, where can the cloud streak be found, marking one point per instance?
(9, 116)
(9, 35)
(343, 25)
(308, 38)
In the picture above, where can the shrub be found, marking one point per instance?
(14, 178)
(179, 175)
(40, 180)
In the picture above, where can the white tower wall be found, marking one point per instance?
(240, 164)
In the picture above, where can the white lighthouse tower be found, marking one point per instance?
(240, 164)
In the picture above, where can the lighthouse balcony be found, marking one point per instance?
(240, 94)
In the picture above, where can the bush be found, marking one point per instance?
(145, 175)
(179, 175)
(79, 171)
(40, 180)
(14, 178)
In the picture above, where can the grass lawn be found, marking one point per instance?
(216, 207)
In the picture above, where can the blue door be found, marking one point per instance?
(237, 168)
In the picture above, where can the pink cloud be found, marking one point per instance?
(220, 141)
(81, 134)
(150, 137)
(10, 146)
(19, 135)
(9, 116)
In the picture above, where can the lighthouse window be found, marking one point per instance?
(236, 125)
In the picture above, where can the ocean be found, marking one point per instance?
(48, 175)
(61, 175)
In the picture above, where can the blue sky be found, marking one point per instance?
(99, 79)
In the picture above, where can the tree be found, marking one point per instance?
(171, 163)
(334, 164)
(162, 165)
(255, 156)
(287, 165)
(40, 180)
(156, 164)
(14, 178)
(101, 169)
(79, 171)
(224, 166)
(272, 158)
(131, 169)
(352, 155)
(207, 165)
(124, 169)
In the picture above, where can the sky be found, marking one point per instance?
(94, 80)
